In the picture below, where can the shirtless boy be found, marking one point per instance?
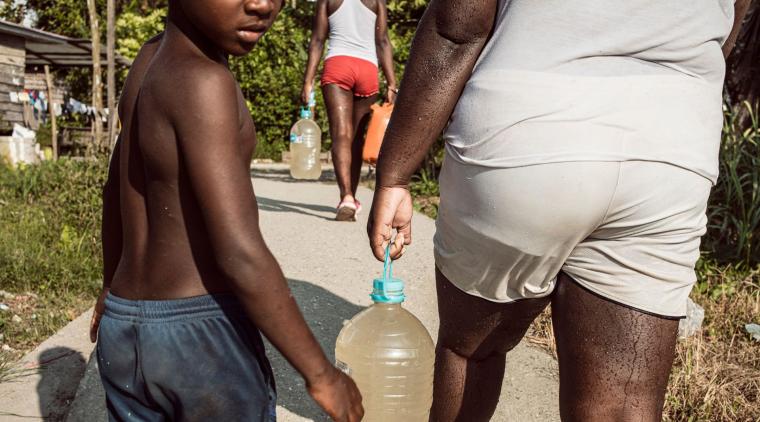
(188, 279)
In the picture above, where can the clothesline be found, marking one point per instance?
(39, 102)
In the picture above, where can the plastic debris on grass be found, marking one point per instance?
(691, 325)
(753, 330)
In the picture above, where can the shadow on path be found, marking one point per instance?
(283, 175)
(60, 369)
(325, 313)
(278, 205)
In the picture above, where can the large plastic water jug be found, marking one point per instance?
(390, 356)
(305, 148)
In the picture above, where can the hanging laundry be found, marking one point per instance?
(75, 106)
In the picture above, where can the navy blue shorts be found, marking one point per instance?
(193, 359)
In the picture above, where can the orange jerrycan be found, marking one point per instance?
(381, 115)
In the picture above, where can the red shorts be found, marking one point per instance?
(352, 74)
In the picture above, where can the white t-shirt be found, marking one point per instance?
(597, 80)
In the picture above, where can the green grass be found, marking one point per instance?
(425, 193)
(734, 211)
(50, 265)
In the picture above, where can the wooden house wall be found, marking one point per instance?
(34, 79)
(12, 61)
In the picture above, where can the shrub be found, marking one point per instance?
(133, 29)
(734, 210)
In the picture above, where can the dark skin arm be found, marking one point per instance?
(111, 236)
(316, 48)
(208, 129)
(385, 50)
(448, 42)
(741, 7)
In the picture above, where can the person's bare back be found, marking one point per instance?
(167, 251)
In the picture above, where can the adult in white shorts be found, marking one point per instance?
(581, 146)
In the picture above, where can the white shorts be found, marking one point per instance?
(628, 231)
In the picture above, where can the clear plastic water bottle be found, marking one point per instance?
(305, 148)
(390, 355)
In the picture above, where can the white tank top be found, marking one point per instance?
(352, 31)
(597, 80)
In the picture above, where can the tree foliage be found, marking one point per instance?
(133, 28)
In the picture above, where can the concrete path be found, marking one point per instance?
(45, 381)
(330, 270)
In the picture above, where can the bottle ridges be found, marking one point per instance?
(390, 356)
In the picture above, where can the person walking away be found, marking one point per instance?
(358, 40)
(581, 147)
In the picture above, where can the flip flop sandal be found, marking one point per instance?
(346, 211)
(358, 206)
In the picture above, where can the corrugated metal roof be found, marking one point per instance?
(44, 47)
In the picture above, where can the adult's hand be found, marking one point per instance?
(391, 209)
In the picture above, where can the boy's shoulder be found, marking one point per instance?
(137, 71)
(183, 86)
(192, 79)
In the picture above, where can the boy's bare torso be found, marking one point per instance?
(166, 249)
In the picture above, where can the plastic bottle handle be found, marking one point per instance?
(388, 264)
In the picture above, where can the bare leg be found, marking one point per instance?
(473, 340)
(360, 119)
(614, 361)
(340, 113)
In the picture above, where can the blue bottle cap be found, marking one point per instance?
(388, 289)
(305, 113)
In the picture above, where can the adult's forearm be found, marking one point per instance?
(440, 63)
